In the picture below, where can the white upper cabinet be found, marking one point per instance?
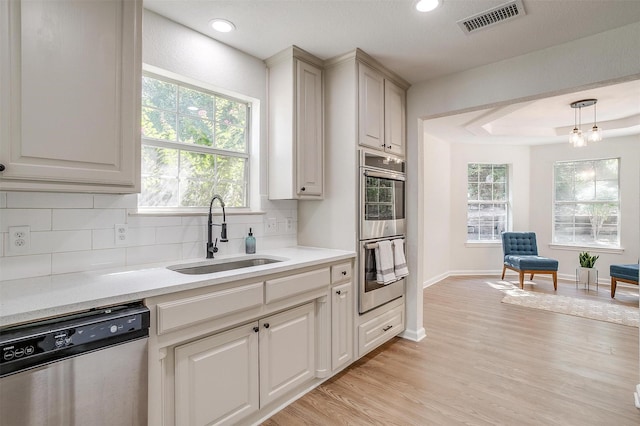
(70, 108)
(381, 112)
(395, 99)
(296, 141)
(371, 112)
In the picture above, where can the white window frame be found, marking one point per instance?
(594, 245)
(252, 153)
(506, 203)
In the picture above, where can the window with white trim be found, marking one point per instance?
(194, 145)
(487, 201)
(587, 203)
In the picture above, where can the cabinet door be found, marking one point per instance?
(70, 110)
(310, 152)
(341, 325)
(371, 107)
(287, 348)
(216, 378)
(394, 118)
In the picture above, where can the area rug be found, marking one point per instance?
(593, 309)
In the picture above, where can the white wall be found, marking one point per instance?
(437, 209)
(542, 160)
(75, 232)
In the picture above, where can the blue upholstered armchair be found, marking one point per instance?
(521, 255)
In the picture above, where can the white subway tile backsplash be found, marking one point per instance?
(195, 220)
(152, 254)
(67, 219)
(142, 236)
(194, 250)
(129, 201)
(102, 239)
(48, 200)
(13, 268)
(43, 242)
(36, 219)
(75, 232)
(88, 260)
(146, 221)
(180, 234)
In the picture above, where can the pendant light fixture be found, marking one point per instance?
(596, 133)
(576, 138)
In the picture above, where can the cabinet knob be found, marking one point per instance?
(339, 292)
(344, 273)
(1, 167)
(266, 325)
(256, 329)
(303, 189)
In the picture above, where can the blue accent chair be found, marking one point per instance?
(624, 273)
(521, 255)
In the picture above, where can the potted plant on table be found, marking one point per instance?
(588, 273)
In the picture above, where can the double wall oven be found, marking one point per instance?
(381, 217)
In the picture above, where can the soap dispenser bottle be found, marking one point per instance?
(250, 243)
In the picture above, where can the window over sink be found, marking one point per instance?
(195, 143)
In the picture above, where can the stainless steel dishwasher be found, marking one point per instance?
(82, 369)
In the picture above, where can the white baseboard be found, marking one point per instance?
(414, 335)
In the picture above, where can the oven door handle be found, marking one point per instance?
(392, 176)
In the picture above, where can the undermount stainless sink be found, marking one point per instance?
(220, 266)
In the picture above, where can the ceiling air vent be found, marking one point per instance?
(493, 16)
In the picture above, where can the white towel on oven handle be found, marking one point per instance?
(384, 263)
(399, 260)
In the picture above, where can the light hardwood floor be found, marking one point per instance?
(486, 363)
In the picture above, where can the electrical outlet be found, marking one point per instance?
(19, 239)
(270, 225)
(121, 234)
(289, 224)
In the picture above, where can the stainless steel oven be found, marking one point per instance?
(371, 294)
(382, 217)
(382, 190)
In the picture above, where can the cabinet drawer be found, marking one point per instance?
(380, 329)
(281, 288)
(183, 312)
(341, 272)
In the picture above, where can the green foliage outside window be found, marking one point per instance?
(586, 208)
(194, 146)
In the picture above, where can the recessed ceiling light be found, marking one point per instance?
(427, 5)
(222, 25)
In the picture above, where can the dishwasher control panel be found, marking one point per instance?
(46, 341)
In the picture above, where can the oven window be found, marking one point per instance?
(384, 199)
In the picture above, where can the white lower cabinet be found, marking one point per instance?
(217, 378)
(286, 351)
(222, 379)
(341, 325)
(381, 327)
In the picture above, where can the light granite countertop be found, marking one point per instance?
(42, 297)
